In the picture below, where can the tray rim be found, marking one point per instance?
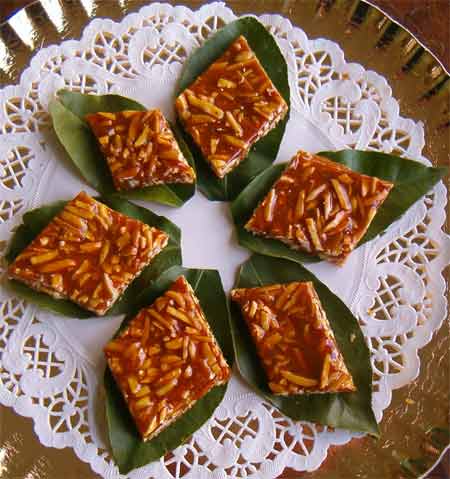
(35, 49)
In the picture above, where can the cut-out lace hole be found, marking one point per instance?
(105, 65)
(9, 208)
(13, 167)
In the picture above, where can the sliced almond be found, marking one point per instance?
(145, 334)
(104, 251)
(160, 318)
(205, 106)
(175, 373)
(265, 114)
(257, 331)
(84, 266)
(60, 265)
(243, 56)
(179, 315)
(299, 380)
(133, 384)
(341, 194)
(234, 124)
(345, 178)
(143, 391)
(301, 238)
(253, 309)
(371, 214)
(90, 247)
(273, 339)
(109, 285)
(80, 212)
(312, 230)
(157, 122)
(286, 179)
(325, 371)
(300, 205)
(335, 221)
(127, 173)
(196, 135)
(123, 240)
(169, 155)
(365, 186)
(108, 115)
(44, 257)
(219, 165)
(224, 83)
(115, 346)
(152, 350)
(57, 281)
(182, 102)
(234, 141)
(134, 127)
(264, 86)
(327, 205)
(142, 403)
(104, 140)
(374, 199)
(240, 65)
(306, 173)
(316, 192)
(117, 141)
(73, 220)
(199, 118)
(218, 66)
(373, 185)
(214, 142)
(143, 137)
(97, 289)
(269, 206)
(162, 391)
(178, 297)
(174, 344)
(192, 348)
(185, 347)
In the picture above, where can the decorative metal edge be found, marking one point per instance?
(438, 78)
(419, 42)
(413, 49)
(438, 460)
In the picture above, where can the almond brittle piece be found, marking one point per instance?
(166, 359)
(230, 106)
(319, 206)
(140, 149)
(294, 339)
(88, 253)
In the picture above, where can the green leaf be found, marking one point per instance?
(352, 411)
(68, 112)
(36, 220)
(263, 153)
(411, 181)
(414, 467)
(440, 437)
(128, 449)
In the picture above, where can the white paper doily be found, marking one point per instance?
(51, 368)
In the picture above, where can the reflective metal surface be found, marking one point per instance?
(423, 90)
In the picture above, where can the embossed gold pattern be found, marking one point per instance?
(422, 88)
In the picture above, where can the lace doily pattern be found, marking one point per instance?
(400, 295)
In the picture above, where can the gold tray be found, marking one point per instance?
(421, 86)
